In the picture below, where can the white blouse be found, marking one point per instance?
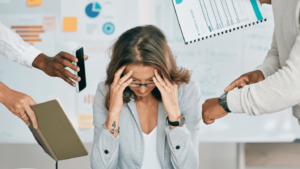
(150, 159)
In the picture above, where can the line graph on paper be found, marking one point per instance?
(218, 14)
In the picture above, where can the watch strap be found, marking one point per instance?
(174, 123)
(223, 102)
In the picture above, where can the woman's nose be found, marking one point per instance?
(143, 89)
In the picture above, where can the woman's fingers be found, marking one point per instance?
(158, 85)
(125, 78)
(117, 76)
(167, 81)
(25, 117)
(161, 81)
(32, 116)
(124, 85)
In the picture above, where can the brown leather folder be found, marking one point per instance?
(56, 134)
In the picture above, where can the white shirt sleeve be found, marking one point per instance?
(277, 92)
(14, 48)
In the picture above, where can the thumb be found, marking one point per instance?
(85, 57)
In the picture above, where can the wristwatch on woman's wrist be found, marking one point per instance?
(180, 122)
(223, 102)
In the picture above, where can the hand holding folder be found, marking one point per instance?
(56, 134)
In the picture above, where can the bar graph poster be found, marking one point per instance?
(31, 30)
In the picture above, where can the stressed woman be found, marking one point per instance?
(147, 113)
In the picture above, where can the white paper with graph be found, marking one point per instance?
(203, 19)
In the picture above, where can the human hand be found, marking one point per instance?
(212, 110)
(18, 103)
(116, 90)
(169, 94)
(55, 66)
(246, 79)
(265, 1)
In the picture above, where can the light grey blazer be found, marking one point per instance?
(177, 148)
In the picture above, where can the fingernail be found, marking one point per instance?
(78, 78)
(28, 124)
(35, 127)
(76, 60)
(77, 69)
(131, 71)
(73, 85)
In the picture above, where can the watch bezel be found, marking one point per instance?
(181, 120)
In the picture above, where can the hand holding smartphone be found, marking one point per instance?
(79, 53)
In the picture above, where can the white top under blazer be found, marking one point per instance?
(150, 159)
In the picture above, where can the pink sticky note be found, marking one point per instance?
(49, 23)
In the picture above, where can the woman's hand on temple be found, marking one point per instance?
(116, 90)
(169, 94)
(116, 100)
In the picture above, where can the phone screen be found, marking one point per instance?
(81, 73)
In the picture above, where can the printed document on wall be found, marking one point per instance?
(202, 19)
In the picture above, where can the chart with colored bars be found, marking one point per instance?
(88, 99)
(29, 33)
(219, 14)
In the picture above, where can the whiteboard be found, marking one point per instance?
(215, 63)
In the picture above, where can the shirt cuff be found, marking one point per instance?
(234, 101)
(30, 54)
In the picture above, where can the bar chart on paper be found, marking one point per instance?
(202, 19)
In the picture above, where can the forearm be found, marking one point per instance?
(14, 48)
(277, 92)
(271, 63)
(112, 123)
(3, 90)
(105, 145)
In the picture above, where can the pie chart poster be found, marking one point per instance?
(102, 20)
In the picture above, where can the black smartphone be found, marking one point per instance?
(80, 56)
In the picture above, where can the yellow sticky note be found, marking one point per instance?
(34, 2)
(85, 121)
(69, 24)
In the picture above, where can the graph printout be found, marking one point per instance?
(202, 19)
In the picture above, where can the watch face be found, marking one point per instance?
(182, 121)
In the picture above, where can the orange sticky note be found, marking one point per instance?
(34, 2)
(69, 24)
(85, 121)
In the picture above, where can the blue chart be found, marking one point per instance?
(178, 1)
(108, 28)
(93, 9)
(219, 14)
